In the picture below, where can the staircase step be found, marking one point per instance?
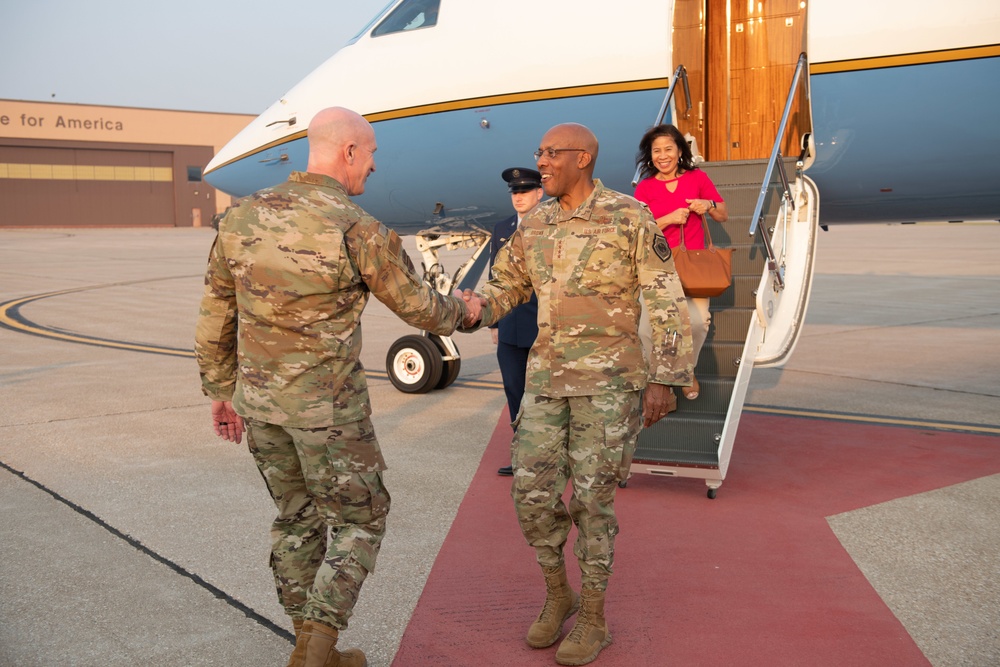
(713, 397)
(691, 436)
(746, 173)
(739, 295)
(719, 359)
(681, 439)
(730, 325)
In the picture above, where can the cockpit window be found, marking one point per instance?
(409, 15)
(375, 19)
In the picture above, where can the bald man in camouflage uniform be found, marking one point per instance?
(588, 254)
(278, 344)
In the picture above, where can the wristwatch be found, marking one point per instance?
(712, 201)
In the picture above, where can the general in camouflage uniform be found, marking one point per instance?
(279, 335)
(589, 254)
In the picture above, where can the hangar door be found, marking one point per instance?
(53, 186)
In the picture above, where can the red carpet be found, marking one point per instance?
(755, 577)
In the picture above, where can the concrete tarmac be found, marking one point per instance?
(131, 535)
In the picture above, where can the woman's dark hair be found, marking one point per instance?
(644, 158)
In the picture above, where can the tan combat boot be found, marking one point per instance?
(560, 603)
(590, 633)
(317, 647)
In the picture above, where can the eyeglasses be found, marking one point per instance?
(551, 152)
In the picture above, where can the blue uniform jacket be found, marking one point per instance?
(520, 326)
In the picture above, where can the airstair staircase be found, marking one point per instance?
(772, 226)
(697, 439)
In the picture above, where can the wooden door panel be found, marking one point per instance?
(765, 40)
(689, 50)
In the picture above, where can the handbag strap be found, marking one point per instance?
(708, 235)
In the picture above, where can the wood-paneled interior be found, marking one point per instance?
(765, 39)
(717, 80)
(750, 50)
(688, 42)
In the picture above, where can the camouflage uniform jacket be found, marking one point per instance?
(291, 271)
(588, 268)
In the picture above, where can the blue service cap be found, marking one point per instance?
(521, 179)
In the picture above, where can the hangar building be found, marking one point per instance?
(69, 165)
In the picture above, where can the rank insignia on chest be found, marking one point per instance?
(661, 248)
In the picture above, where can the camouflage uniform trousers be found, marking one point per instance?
(332, 508)
(591, 440)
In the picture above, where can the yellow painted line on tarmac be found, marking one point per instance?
(11, 318)
(481, 384)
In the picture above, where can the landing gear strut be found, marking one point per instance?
(417, 364)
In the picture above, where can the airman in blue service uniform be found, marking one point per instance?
(515, 333)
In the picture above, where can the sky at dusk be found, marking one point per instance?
(235, 56)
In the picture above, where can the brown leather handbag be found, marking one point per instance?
(703, 273)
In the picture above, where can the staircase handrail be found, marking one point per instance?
(679, 74)
(758, 215)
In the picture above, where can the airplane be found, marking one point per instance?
(884, 111)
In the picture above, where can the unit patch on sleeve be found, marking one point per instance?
(661, 248)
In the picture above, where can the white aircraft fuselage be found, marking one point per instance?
(903, 100)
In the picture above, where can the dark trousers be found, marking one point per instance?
(513, 362)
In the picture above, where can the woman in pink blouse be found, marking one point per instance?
(679, 194)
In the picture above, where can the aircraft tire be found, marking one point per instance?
(451, 368)
(414, 365)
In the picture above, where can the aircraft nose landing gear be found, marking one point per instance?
(416, 364)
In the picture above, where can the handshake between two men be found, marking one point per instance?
(473, 307)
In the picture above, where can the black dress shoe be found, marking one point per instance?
(506, 470)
